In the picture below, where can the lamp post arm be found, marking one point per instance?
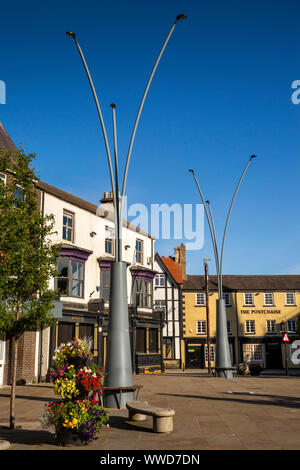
(228, 216)
(215, 244)
(179, 17)
(118, 246)
(100, 117)
(209, 222)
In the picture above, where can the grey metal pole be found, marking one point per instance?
(73, 35)
(227, 220)
(178, 18)
(209, 223)
(215, 242)
(118, 244)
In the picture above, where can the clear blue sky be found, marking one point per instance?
(221, 93)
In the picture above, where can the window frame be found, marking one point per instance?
(286, 299)
(160, 280)
(246, 304)
(108, 242)
(212, 353)
(253, 349)
(291, 330)
(266, 302)
(70, 277)
(70, 214)
(201, 303)
(199, 327)
(227, 295)
(139, 253)
(268, 330)
(250, 323)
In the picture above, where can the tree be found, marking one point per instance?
(28, 259)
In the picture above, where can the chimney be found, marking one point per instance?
(181, 259)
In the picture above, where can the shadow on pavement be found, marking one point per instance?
(288, 402)
(120, 422)
(27, 436)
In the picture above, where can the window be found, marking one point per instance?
(248, 298)
(161, 305)
(104, 284)
(227, 297)
(250, 326)
(201, 327)
(140, 340)
(87, 331)
(3, 178)
(142, 293)
(109, 236)
(290, 298)
(291, 326)
(212, 353)
(271, 326)
(70, 277)
(269, 298)
(66, 332)
(159, 280)
(200, 299)
(153, 340)
(252, 352)
(18, 194)
(168, 348)
(139, 251)
(229, 329)
(77, 279)
(68, 226)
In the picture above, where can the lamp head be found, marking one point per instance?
(70, 34)
(180, 17)
(192, 171)
(252, 156)
(113, 105)
(207, 202)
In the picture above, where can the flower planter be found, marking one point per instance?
(76, 416)
(67, 437)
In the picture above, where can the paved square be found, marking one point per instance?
(243, 413)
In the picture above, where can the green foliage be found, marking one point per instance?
(28, 258)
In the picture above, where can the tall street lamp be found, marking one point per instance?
(118, 362)
(223, 359)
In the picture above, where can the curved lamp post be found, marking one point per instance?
(118, 362)
(223, 359)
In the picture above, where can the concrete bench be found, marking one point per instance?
(162, 417)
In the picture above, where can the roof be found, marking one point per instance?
(174, 268)
(5, 141)
(244, 282)
(7, 144)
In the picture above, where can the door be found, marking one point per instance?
(195, 357)
(2, 358)
(273, 356)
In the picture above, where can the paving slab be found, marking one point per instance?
(212, 413)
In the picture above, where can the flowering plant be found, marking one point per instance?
(74, 350)
(74, 382)
(84, 417)
(255, 368)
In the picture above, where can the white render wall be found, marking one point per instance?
(172, 326)
(85, 223)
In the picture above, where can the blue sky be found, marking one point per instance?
(221, 93)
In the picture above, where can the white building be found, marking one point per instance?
(167, 296)
(86, 236)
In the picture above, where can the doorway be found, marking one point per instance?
(273, 356)
(195, 357)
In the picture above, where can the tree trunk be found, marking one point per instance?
(14, 358)
(14, 355)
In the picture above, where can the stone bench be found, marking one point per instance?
(162, 417)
